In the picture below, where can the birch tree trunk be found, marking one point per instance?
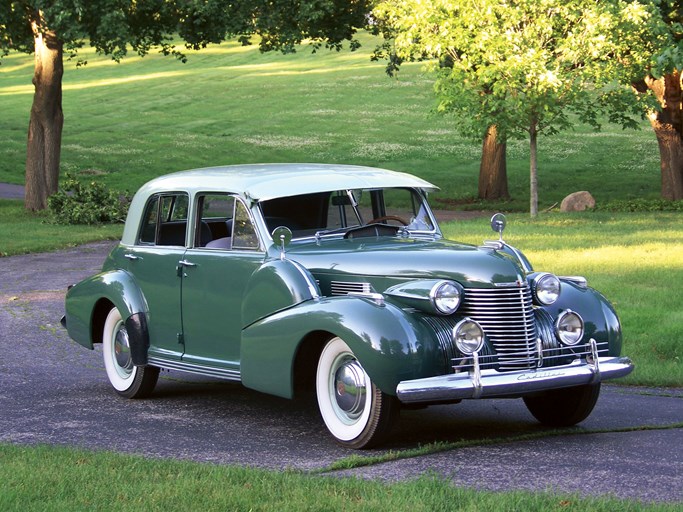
(533, 170)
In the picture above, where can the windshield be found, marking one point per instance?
(339, 212)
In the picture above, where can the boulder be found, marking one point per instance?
(577, 202)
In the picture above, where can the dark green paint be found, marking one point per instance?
(391, 344)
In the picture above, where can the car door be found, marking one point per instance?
(153, 262)
(225, 253)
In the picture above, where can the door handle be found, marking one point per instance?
(185, 263)
(132, 257)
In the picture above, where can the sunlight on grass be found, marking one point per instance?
(656, 257)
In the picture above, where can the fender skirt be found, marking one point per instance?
(138, 338)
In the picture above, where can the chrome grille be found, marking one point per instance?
(344, 288)
(507, 317)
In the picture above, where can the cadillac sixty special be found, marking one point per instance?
(336, 279)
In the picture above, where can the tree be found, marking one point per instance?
(49, 28)
(663, 79)
(521, 65)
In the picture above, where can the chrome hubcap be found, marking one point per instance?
(122, 355)
(349, 388)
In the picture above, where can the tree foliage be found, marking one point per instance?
(524, 65)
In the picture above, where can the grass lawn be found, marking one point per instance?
(50, 478)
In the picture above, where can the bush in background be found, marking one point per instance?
(640, 205)
(92, 203)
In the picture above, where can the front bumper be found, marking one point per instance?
(492, 383)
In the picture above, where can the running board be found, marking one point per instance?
(209, 371)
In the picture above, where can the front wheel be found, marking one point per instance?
(563, 407)
(127, 379)
(354, 409)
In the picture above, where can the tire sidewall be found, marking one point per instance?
(342, 428)
(112, 325)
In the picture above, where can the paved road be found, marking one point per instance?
(54, 391)
(9, 191)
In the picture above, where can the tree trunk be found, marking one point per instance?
(668, 127)
(533, 171)
(47, 119)
(493, 179)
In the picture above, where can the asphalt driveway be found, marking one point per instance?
(54, 391)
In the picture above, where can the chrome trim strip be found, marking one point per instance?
(377, 298)
(209, 371)
(491, 383)
(579, 281)
(347, 287)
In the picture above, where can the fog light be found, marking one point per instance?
(468, 336)
(569, 327)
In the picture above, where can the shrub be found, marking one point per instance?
(92, 203)
(641, 205)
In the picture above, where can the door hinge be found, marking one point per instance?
(181, 338)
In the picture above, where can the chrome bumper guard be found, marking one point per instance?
(478, 383)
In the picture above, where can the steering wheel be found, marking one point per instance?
(389, 217)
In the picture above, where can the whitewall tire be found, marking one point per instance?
(356, 412)
(127, 379)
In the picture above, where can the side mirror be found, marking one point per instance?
(498, 223)
(282, 235)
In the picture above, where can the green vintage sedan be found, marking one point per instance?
(337, 279)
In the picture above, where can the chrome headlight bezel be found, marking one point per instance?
(546, 288)
(446, 297)
(468, 336)
(569, 327)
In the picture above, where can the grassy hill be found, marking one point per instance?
(127, 122)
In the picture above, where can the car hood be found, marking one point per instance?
(406, 259)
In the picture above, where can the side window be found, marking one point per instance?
(214, 230)
(244, 235)
(148, 229)
(165, 220)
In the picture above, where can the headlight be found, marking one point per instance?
(468, 336)
(569, 327)
(546, 288)
(445, 295)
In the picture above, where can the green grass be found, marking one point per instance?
(128, 122)
(22, 232)
(50, 478)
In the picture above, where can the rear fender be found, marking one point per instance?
(85, 303)
(390, 344)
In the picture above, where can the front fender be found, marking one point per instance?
(277, 285)
(600, 318)
(116, 286)
(392, 345)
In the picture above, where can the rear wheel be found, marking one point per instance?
(127, 379)
(354, 409)
(563, 407)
